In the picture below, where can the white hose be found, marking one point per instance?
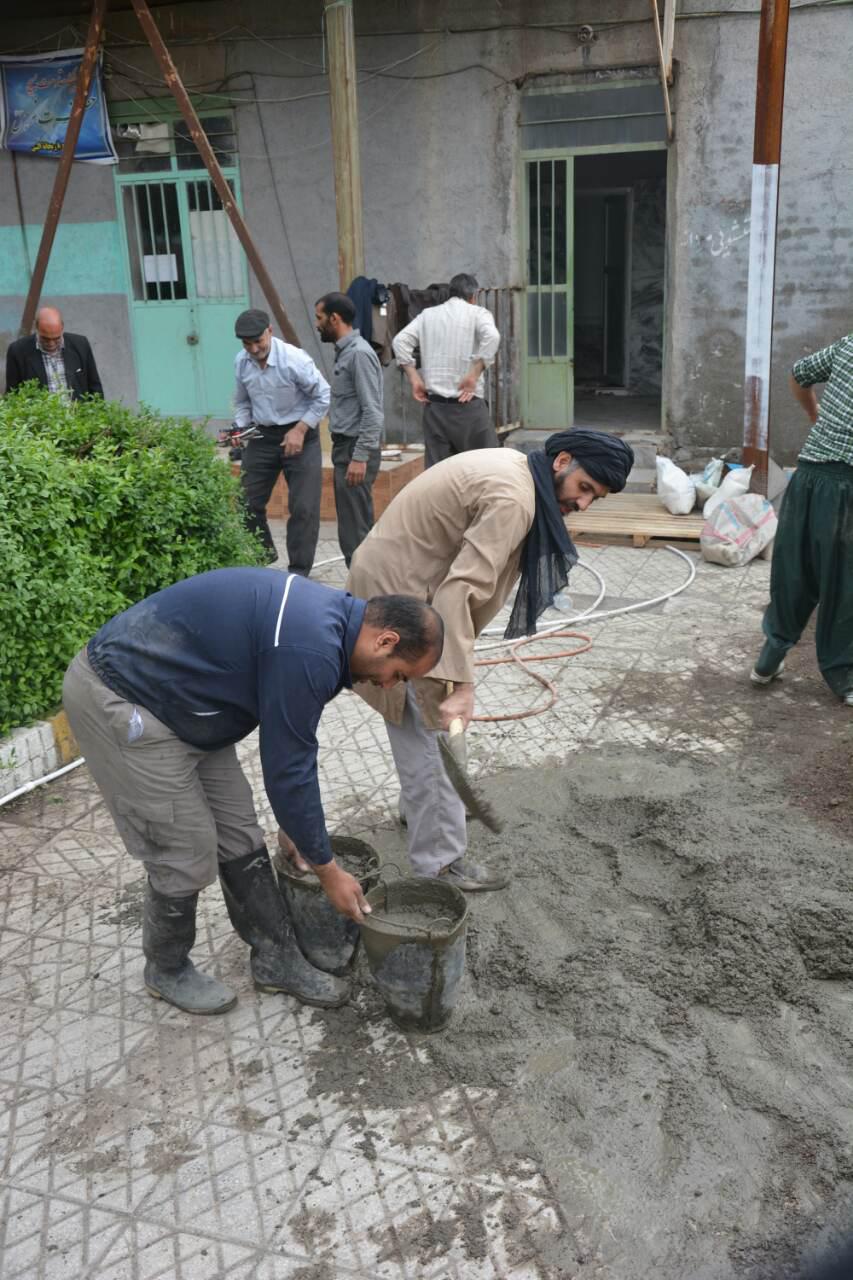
(321, 564)
(594, 614)
(37, 782)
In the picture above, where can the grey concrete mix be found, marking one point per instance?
(648, 1073)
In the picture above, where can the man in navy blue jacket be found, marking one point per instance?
(157, 701)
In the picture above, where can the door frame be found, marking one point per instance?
(568, 153)
(166, 111)
(628, 192)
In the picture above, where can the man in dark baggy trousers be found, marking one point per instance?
(457, 340)
(281, 391)
(813, 551)
(355, 419)
(157, 701)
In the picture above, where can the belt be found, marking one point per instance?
(432, 396)
(278, 426)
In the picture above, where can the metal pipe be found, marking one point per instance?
(769, 102)
(226, 195)
(63, 173)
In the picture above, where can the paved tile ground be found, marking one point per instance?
(141, 1143)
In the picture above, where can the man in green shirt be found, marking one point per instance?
(813, 551)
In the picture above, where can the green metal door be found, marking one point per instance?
(186, 271)
(549, 376)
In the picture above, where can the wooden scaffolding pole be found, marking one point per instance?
(662, 67)
(767, 150)
(340, 39)
(63, 172)
(668, 37)
(226, 195)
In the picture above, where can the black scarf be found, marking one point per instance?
(547, 556)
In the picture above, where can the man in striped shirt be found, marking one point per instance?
(813, 551)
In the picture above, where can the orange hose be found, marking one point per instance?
(543, 680)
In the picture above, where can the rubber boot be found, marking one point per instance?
(168, 934)
(259, 915)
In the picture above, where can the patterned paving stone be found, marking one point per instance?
(142, 1144)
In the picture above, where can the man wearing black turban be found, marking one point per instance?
(458, 537)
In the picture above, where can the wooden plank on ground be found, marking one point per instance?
(638, 516)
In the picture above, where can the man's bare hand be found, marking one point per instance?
(467, 388)
(343, 891)
(294, 440)
(290, 851)
(356, 471)
(418, 386)
(457, 705)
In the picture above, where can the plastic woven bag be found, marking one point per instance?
(738, 530)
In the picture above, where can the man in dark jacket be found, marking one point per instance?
(157, 701)
(60, 361)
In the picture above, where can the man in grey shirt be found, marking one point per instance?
(457, 340)
(355, 419)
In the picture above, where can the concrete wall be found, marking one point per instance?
(439, 140)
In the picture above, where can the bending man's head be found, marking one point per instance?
(400, 638)
(587, 465)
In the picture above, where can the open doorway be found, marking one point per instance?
(619, 247)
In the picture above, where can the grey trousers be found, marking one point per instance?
(450, 428)
(263, 460)
(434, 813)
(353, 503)
(179, 810)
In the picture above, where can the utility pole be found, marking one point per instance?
(63, 172)
(770, 94)
(226, 195)
(340, 39)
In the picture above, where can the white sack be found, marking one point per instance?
(675, 488)
(735, 483)
(713, 473)
(703, 491)
(738, 530)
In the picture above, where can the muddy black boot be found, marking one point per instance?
(259, 915)
(168, 933)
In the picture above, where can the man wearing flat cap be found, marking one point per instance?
(460, 537)
(281, 391)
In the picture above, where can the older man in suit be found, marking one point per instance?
(60, 361)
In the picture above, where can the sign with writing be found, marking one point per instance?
(36, 95)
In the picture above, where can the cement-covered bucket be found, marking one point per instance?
(326, 938)
(414, 940)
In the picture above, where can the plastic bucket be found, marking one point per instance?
(326, 938)
(414, 941)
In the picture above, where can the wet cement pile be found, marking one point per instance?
(663, 1005)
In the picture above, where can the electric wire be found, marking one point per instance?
(560, 28)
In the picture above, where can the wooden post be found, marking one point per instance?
(345, 143)
(767, 150)
(63, 172)
(226, 195)
(668, 37)
(662, 65)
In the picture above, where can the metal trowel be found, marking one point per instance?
(454, 754)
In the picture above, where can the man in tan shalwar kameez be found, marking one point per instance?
(455, 537)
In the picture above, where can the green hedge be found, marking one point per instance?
(99, 507)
